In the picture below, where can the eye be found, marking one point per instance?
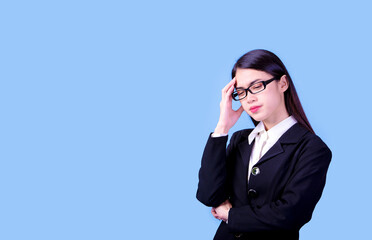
(257, 86)
(240, 92)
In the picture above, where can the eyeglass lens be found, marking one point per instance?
(255, 88)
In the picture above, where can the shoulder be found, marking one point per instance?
(311, 143)
(313, 139)
(299, 134)
(305, 142)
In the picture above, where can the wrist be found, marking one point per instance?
(221, 129)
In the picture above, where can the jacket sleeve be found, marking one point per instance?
(213, 186)
(296, 204)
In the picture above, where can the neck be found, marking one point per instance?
(275, 119)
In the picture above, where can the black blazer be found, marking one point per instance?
(278, 200)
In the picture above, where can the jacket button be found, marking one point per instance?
(252, 193)
(255, 171)
(238, 235)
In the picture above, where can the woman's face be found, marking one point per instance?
(267, 106)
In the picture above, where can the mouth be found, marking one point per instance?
(254, 109)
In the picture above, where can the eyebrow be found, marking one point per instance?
(253, 82)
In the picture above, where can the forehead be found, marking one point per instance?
(245, 77)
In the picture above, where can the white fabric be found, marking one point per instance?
(264, 140)
(219, 134)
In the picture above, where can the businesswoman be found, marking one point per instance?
(266, 183)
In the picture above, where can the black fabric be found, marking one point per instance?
(290, 183)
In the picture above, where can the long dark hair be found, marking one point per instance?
(267, 61)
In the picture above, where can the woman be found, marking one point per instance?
(266, 184)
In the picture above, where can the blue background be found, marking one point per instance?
(106, 107)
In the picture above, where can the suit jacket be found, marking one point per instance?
(280, 198)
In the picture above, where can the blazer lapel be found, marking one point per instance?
(272, 152)
(292, 135)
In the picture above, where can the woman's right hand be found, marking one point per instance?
(228, 116)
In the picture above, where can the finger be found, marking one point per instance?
(231, 83)
(224, 89)
(233, 86)
(228, 94)
(230, 90)
(214, 214)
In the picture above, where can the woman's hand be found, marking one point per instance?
(222, 212)
(228, 116)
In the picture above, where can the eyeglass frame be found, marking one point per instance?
(265, 83)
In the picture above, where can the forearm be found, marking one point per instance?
(212, 189)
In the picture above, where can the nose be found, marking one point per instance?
(250, 98)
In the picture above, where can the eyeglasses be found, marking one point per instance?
(257, 87)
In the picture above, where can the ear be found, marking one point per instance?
(283, 83)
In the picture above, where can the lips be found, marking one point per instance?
(254, 109)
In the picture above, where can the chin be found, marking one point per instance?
(255, 118)
(258, 117)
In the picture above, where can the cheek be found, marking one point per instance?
(245, 106)
(272, 101)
